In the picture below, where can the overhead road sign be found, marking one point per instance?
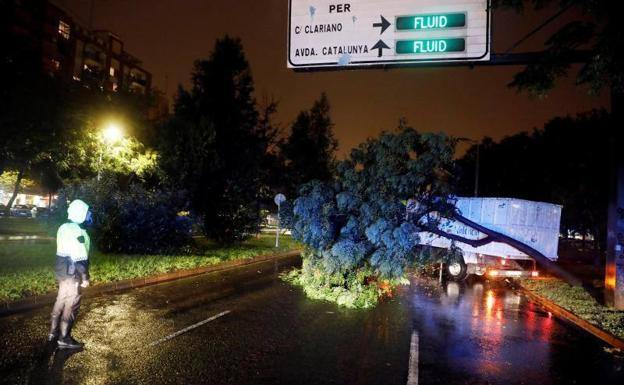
(360, 33)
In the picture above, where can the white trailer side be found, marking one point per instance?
(534, 224)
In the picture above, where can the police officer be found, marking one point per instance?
(72, 273)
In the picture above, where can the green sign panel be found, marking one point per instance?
(430, 46)
(430, 21)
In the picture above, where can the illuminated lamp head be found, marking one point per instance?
(112, 133)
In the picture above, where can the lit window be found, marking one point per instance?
(64, 29)
(112, 71)
(56, 64)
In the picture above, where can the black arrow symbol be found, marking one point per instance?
(384, 25)
(380, 46)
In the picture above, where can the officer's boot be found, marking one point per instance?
(66, 341)
(54, 327)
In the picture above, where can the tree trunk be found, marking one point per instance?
(18, 182)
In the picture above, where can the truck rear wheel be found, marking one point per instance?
(457, 269)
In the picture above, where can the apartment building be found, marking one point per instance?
(73, 52)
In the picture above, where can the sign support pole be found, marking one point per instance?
(278, 226)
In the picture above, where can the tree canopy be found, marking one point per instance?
(309, 150)
(358, 225)
(215, 145)
(597, 31)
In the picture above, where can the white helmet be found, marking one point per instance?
(77, 211)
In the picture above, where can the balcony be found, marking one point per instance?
(95, 56)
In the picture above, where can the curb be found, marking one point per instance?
(566, 315)
(8, 308)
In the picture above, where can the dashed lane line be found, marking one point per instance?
(412, 376)
(188, 328)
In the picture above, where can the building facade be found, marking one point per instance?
(73, 52)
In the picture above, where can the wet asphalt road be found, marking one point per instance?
(474, 333)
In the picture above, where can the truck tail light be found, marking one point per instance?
(535, 273)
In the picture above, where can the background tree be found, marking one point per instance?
(272, 169)
(564, 163)
(596, 31)
(219, 119)
(309, 151)
(356, 230)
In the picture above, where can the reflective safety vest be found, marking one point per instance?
(72, 241)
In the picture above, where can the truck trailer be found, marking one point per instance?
(497, 237)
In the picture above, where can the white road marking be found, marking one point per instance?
(186, 329)
(412, 376)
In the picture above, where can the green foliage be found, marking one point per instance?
(126, 156)
(87, 113)
(28, 268)
(356, 289)
(8, 179)
(579, 302)
(350, 290)
(216, 145)
(596, 30)
(359, 224)
(134, 220)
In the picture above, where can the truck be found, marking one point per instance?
(497, 237)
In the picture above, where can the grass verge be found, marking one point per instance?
(580, 302)
(26, 269)
(22, 226)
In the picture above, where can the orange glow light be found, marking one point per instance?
(610, 276)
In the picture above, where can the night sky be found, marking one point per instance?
(168, 35)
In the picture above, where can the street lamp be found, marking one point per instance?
(112, 133)
(109, 135)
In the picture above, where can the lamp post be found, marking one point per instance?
(110, 135)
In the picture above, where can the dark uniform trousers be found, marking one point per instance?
(69, 276)
(67, 301)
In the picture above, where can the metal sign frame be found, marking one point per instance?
(376, 64)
